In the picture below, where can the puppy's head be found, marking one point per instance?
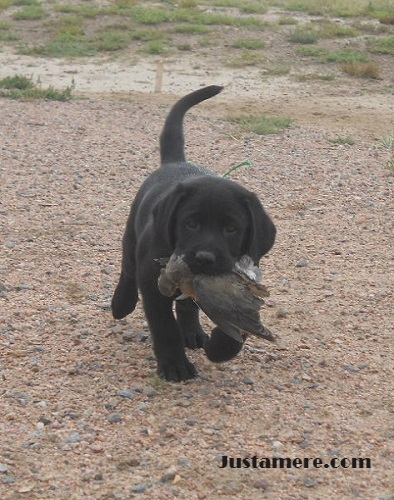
(213, 222)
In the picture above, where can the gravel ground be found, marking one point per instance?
(82, 413)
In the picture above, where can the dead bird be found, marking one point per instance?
(232, 301)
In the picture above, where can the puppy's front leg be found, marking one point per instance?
(189, 324)
(168, 344)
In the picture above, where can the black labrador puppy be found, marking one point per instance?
(184, 208)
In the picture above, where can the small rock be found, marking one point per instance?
(8, 479)
(125, 393)
(191, 421)
(142, 336)
(3, 468)
(169, 474)
(127, 337)
(282, 312)
(110, 406)
(150, 392)
(261, 484)
(72, 414)
(114, 418)
(303, 262)
(9, 244)
(248, 381)
(74, 437)
(350, 368)
(309, 482)
(105, 305)
(21, 287)
(140, 488)
(116, 329)
(231, 488)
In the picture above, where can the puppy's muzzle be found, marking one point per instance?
(205, 258)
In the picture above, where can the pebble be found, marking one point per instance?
(350, 368)
(140, 488)
(105, 305)
(8, 480)
(142, 336)
(261, 484)
(21, 287)
(282, 312)
(303, 262)
(125, 393)
(169, 474)
(116, 329)
(149, 391)
(248, 381)
(127, 336)
(9, 244)
(3, 468)
(114, 418)
(309, 482)
(74, 437)
(231, 488)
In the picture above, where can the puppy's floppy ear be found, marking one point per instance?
(165, 213)
(262, 230)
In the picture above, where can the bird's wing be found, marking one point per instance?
(229, 305)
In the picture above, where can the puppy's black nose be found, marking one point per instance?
(205, 258)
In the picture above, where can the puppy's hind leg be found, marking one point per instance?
(189, 324)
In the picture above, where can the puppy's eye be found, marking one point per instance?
(192, 224)
(230, 229)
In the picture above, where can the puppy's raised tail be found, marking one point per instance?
(171, 139)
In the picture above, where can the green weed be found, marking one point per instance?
(4, 4)
(191, 29)
(88, 11)
(278, 69)
(314, 77)
(342, 140)
(246, 58)
(261, 124)
(6, 35)
(30, 13)
(64, 44)
(387, 141)
(287, 21)
(249, 43)
(335, 30)
(382, 45)
(312, 51)
(343, 56)
(110, 40)
(16, 82)
(23, 88)
(154, 47)
(361, 69)
(303, 36)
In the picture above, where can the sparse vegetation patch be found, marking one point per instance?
(23, 87)
(261, 124)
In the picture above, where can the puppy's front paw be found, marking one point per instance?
(176, 370)
(220, 347)
(196, 339)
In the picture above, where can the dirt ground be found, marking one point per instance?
(82, 413)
